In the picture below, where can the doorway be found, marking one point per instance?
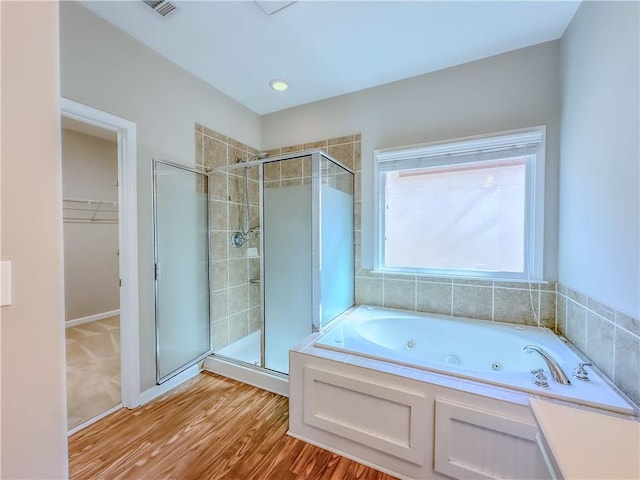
(101, 271)
(91, 276)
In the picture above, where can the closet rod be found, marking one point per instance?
(90, 202)
(88, 220)
(98, 211)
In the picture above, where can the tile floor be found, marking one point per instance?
(93, 369)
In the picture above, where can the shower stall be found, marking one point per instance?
(286, 255)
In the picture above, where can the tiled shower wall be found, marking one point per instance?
(609, 338)
(235, 301)
(287, 173)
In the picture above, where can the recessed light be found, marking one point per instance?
(279, 85)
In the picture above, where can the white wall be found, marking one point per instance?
(89, 172)
(33, 432)
(89, 167)
(513, 90)
(106, 69)
(599, 225)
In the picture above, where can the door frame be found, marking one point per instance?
(127, 240)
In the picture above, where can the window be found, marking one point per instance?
(470, 207)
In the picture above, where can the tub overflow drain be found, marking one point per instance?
(411, 343)
(497, 366)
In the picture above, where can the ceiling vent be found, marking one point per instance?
(162, 7)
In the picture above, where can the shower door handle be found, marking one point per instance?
(157, 271)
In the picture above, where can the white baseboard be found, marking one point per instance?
(146, 396)
(91, 318)
(257, 378)
(94, 420)
(158, 390)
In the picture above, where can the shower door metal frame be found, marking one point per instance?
(316, 241)
(205, 175)
(263, 359)
(316, 235)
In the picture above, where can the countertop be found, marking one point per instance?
(586, 444)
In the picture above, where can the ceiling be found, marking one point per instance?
(329, 48)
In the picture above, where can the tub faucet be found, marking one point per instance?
(556, 371)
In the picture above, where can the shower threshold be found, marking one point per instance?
(240, 361)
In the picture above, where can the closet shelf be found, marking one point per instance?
(77, 210)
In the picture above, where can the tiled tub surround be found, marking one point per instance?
(235, 301)
(609, 338)
(485, 300)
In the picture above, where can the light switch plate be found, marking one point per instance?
(5, 284)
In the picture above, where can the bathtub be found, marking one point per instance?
(484, 351)
(431, 396)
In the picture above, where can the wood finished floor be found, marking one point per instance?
(209, 428)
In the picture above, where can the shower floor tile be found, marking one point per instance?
(93, 369)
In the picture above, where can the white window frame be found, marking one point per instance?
(463, 150)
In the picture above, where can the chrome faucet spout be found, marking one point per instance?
(556, 371)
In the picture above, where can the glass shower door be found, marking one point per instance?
(181, 218)
(287, 236)
(336, 241)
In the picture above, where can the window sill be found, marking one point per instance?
(455, 278)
